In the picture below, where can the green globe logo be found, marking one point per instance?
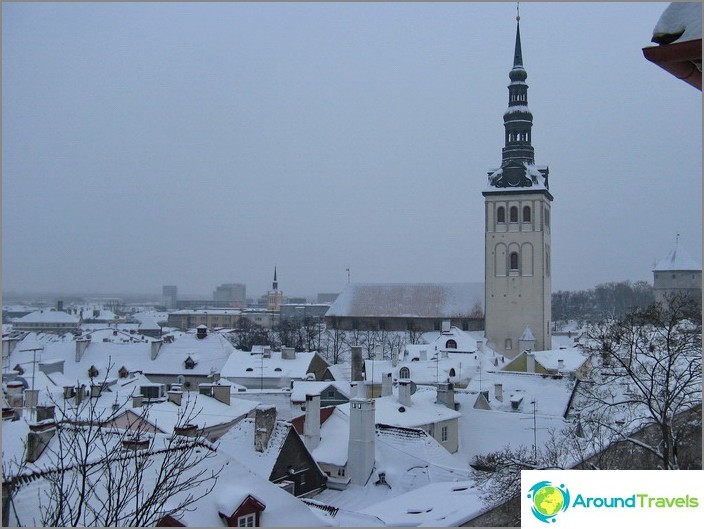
(548, 500)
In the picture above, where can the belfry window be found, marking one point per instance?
(513, 261)
(513, 214)
(501, 214)
(526, 213)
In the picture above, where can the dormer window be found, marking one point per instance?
(189, 363)
(451, 344)
(404, 372)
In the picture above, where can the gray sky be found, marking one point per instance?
(191, 144)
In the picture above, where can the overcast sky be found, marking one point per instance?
(198, 144)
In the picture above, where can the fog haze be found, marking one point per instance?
(147, 144)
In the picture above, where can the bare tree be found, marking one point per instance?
(96, 474)
(648, 371)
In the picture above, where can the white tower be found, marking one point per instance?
(360, 455)
(517, 231)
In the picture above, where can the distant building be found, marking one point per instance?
(212, 318)
(677, 272)
(169, 294)
(302, 311)
(327, 297)
(235, 293)
(48, 320)
(408, 306)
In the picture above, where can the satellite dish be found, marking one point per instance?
(414, 387)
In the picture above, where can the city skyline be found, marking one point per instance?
(196, 145)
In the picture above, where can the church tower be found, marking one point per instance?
(517, 231)
(275, 297)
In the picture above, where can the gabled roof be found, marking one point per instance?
(408, 300)
(48, 316)
(303, 387)
(242, 364)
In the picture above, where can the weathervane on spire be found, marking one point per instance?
(518, 11)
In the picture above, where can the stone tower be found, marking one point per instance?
(517, 230)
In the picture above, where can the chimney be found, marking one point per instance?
(394, 357)
(81, 346)
(60, 305)
(175, 396)
(386, 384)
(264, 422)
(137, 401)
(560, 364)
(38, 438)
(201, 332)
(530, 361)
(155, 348)
(353, 389)
(288, 353)
(186, 430)
(311, 426)
(31, 396)
(80, 393)
(499, 392)
(221, 392)
(423, 354)
(446, 326)
(96, 390)
(446, 394)
(527, 340)
(357, 363)
(267, 351)
(404, 392)
(15, 388)
(45, 412)
(360, 453)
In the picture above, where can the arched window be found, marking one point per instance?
(452, 372)
(501, 214)
(513, 261)
(513, 214)
(451, 344)
(526, 213)
(404, 372)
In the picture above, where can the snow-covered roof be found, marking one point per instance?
(443, 504)
(680, 18)
(242, 364)
(301, 388)
(238, 443)
(410, 300)
(677, 260)
(466, 341)
(48, 316)
(572, 358)
(424, 371)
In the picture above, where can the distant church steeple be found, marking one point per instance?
(517, 231)
(275, 297)
(275, 284)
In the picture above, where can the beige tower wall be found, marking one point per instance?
(517, 298)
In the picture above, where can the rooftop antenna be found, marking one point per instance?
(348, 275)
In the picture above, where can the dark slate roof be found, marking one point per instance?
(410, 300)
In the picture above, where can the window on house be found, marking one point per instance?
(248, 520)
(526, 213)
(513, 214)
(443, 434)
(404, 372)
(331, 393)
(513, 261)
(501, 214)
(452, 372)
(450, 344)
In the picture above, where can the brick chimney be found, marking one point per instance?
(499, 392)
(264, 422)
(221, 392)
(175, 396)
(81, 346)
(404, 392)
(155, 347)
(288, 353)
(357, 363)
(446, 394)
(311, 426)
(386, 384)
(360, 452)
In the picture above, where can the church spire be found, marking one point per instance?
(275, 284)
(518, 168)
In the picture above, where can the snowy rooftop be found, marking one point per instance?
(680, 18)
(420, 300)
(677, 260)
(301, 388)
(243, 364)
(48, 316)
